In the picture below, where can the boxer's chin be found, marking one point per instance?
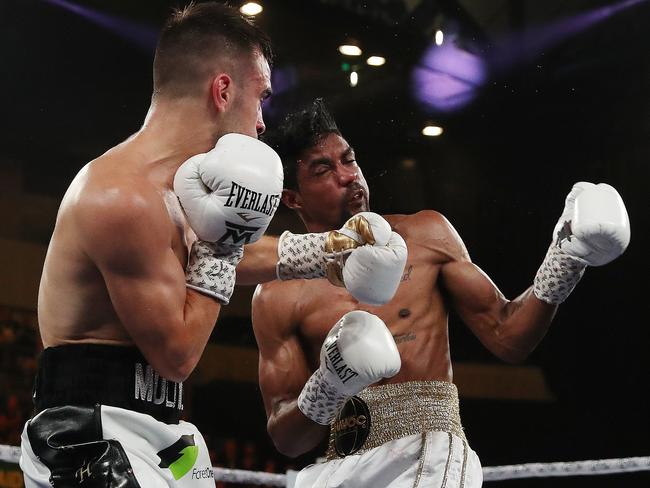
(357, 205)
(351, 209)
(343, 218)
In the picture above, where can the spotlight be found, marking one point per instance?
(440, 37)
(251, 8)
(432, 131)
(350, 50)
(354, 78)
(350, 47)
(376, 60)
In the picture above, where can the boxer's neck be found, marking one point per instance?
(313, 225)
(174, 130)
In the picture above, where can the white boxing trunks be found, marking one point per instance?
(105, 418)
(397, 436)
(111, 446)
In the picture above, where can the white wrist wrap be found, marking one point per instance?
(557, 276)
(301, 256)
(211, 269)
(320, 401)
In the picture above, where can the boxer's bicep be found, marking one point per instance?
(130, 245)
(473, 295)
(283, 368)
(147, 290)
(477, 301)
(283, 371)
(510, 329)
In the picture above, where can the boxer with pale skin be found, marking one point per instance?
(385, 394)
(116, 262)
(143, 256)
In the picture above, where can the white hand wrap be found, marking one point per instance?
(557, 276)
(301, 256)
(319, 400)
(211, 269)
(365, 256)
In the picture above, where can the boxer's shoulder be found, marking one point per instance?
(119, 203)
(420, 225)
(433, 231)
(277, 294)
(106, 204)
(107, 185)
(412, 224)
(274, 307)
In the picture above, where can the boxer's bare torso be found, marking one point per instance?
(292, 319)
(303, 312)
(74, 303)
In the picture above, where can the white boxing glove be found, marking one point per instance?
(229, 195)
(365, 256)
(598, 230)
(358, 351)
(593, 230)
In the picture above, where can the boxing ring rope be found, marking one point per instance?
(491, 473)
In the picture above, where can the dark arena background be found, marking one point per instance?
(531, 96)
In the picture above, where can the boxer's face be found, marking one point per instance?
(253, 87)
(331, 186)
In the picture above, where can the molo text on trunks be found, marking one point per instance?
(151, 387)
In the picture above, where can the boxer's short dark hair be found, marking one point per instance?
(298, 132)
(197, 34)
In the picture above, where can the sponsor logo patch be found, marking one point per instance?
(352, 427)
(237, 233)
(180, 457)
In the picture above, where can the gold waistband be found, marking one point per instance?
(402, 409)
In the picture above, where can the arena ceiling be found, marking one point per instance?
(74, 85)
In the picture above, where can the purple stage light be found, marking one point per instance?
(523, 47)
(142, 35)
(447, 77)
(283, 80)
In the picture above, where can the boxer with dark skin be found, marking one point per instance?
(325, 185)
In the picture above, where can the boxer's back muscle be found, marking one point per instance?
(74, 305)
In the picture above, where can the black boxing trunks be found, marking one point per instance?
(90, 374)
(104, 417)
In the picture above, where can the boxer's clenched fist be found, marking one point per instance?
(229, 195)
(594, 226)
(365, 256)
(593, 230)
(358, 351)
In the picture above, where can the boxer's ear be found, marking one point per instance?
(221, 91)
(292, 199)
